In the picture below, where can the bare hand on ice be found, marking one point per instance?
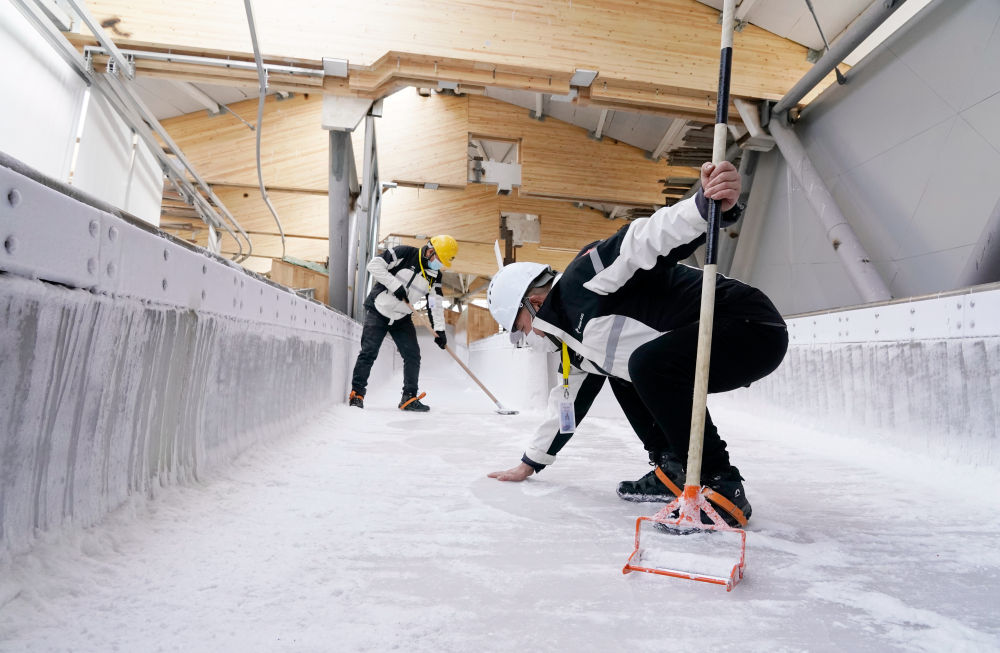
(519, 473)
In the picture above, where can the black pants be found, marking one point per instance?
(403, 334)
(658, 401)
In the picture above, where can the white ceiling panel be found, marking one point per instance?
(165, 100)
(642, 131)
(791, 18)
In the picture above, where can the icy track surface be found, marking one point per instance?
(378, 530)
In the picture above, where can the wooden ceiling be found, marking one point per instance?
(658, 57)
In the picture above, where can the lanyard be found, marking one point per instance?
(565, 370)
(565, 352)
(420, 260)
(567, 412)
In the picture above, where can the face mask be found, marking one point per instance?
(435, 264)
(539, 343)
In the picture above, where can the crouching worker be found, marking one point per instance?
(626, 312)
(403, 275)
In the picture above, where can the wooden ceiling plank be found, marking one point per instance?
(517, 44)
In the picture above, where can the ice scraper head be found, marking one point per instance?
(677, 542)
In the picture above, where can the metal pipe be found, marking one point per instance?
(171, 169)
(146, 116)
(55, 39)
(839, 233)
(80, 124)
(211, 61)
(599, 130)
(863, 26)
(119, 57)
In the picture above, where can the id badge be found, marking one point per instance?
(567, 417)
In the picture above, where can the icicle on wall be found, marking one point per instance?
(102, 398)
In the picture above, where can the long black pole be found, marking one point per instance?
(700, 402)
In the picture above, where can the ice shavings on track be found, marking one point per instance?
(374, 530)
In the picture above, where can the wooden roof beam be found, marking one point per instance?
(521, 44)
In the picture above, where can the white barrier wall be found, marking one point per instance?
(922, 374)
(131, 360)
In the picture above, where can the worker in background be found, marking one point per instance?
(403, 275)
(627, 311)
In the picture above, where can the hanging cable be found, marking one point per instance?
(840, 76)
(262, 77)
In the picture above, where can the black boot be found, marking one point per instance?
(356, 400)
(728, 497)
(664, 483)
(412, 402)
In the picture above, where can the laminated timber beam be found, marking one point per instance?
(658, 56)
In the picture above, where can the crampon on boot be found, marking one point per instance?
(664, 483)
(724, 490)
(412, 402)
(356, 400)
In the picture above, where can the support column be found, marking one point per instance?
(839, 233)
(341, 160)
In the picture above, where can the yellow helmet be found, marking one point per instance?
(445, 247)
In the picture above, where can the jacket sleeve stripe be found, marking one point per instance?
(613, 336)
(595, 258)
(646, 240)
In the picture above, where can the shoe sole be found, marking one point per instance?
(646, 498)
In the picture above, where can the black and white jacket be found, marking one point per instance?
(622, 292)
(401, 266)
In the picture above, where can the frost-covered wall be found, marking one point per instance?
(910, 150)
(923, 375)
(131, 360)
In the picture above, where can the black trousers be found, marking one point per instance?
(403, 334)
(658, 401)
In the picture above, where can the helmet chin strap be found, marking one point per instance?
(526, 303)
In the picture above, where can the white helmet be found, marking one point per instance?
(510, 285)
